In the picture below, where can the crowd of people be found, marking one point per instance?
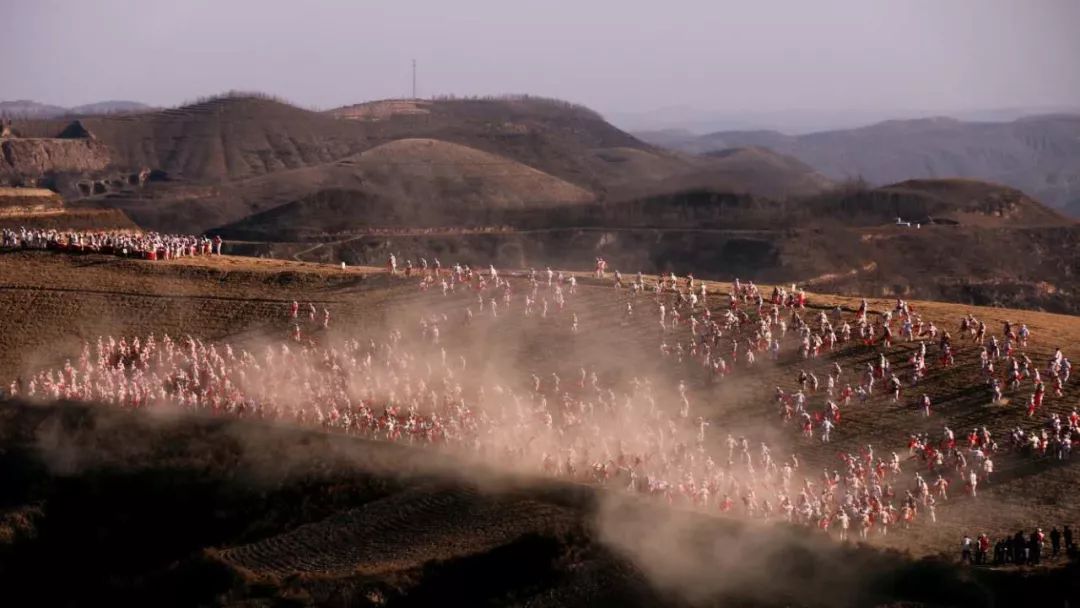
(126, 243)
(1018, 549)
(647, 433)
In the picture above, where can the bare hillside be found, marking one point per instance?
(463, 176)
(25, 161)
(221, 160)
(563, 139)
(218, 140)
(232, 138)
(417, 182)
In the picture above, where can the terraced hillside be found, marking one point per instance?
(28, 201)
(204, 510)
(43, 208)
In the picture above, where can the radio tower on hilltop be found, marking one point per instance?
(414, 79)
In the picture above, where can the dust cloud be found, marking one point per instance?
(700, 558)
(580, 392)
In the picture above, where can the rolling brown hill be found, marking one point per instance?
(423, 181)
(407, 182)
(616, 162)
(218, 140)
(239, 137)
(564, 139)
(223, 159)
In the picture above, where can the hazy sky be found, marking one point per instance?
(616, 56)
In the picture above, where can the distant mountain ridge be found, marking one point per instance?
(795, 121)
(25, 108)
(1038, 154)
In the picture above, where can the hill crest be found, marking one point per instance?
(975, 202)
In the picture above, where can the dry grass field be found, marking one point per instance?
(252, 514)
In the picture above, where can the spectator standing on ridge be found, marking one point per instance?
(965, 549)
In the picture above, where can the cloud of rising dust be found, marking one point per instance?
(496, 384)
(699, 557)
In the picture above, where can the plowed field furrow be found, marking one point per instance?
(400, 531)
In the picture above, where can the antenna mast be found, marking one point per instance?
(414, 79)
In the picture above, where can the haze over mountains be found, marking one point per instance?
(1037, 154)
(25, 108)
(690, 121)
